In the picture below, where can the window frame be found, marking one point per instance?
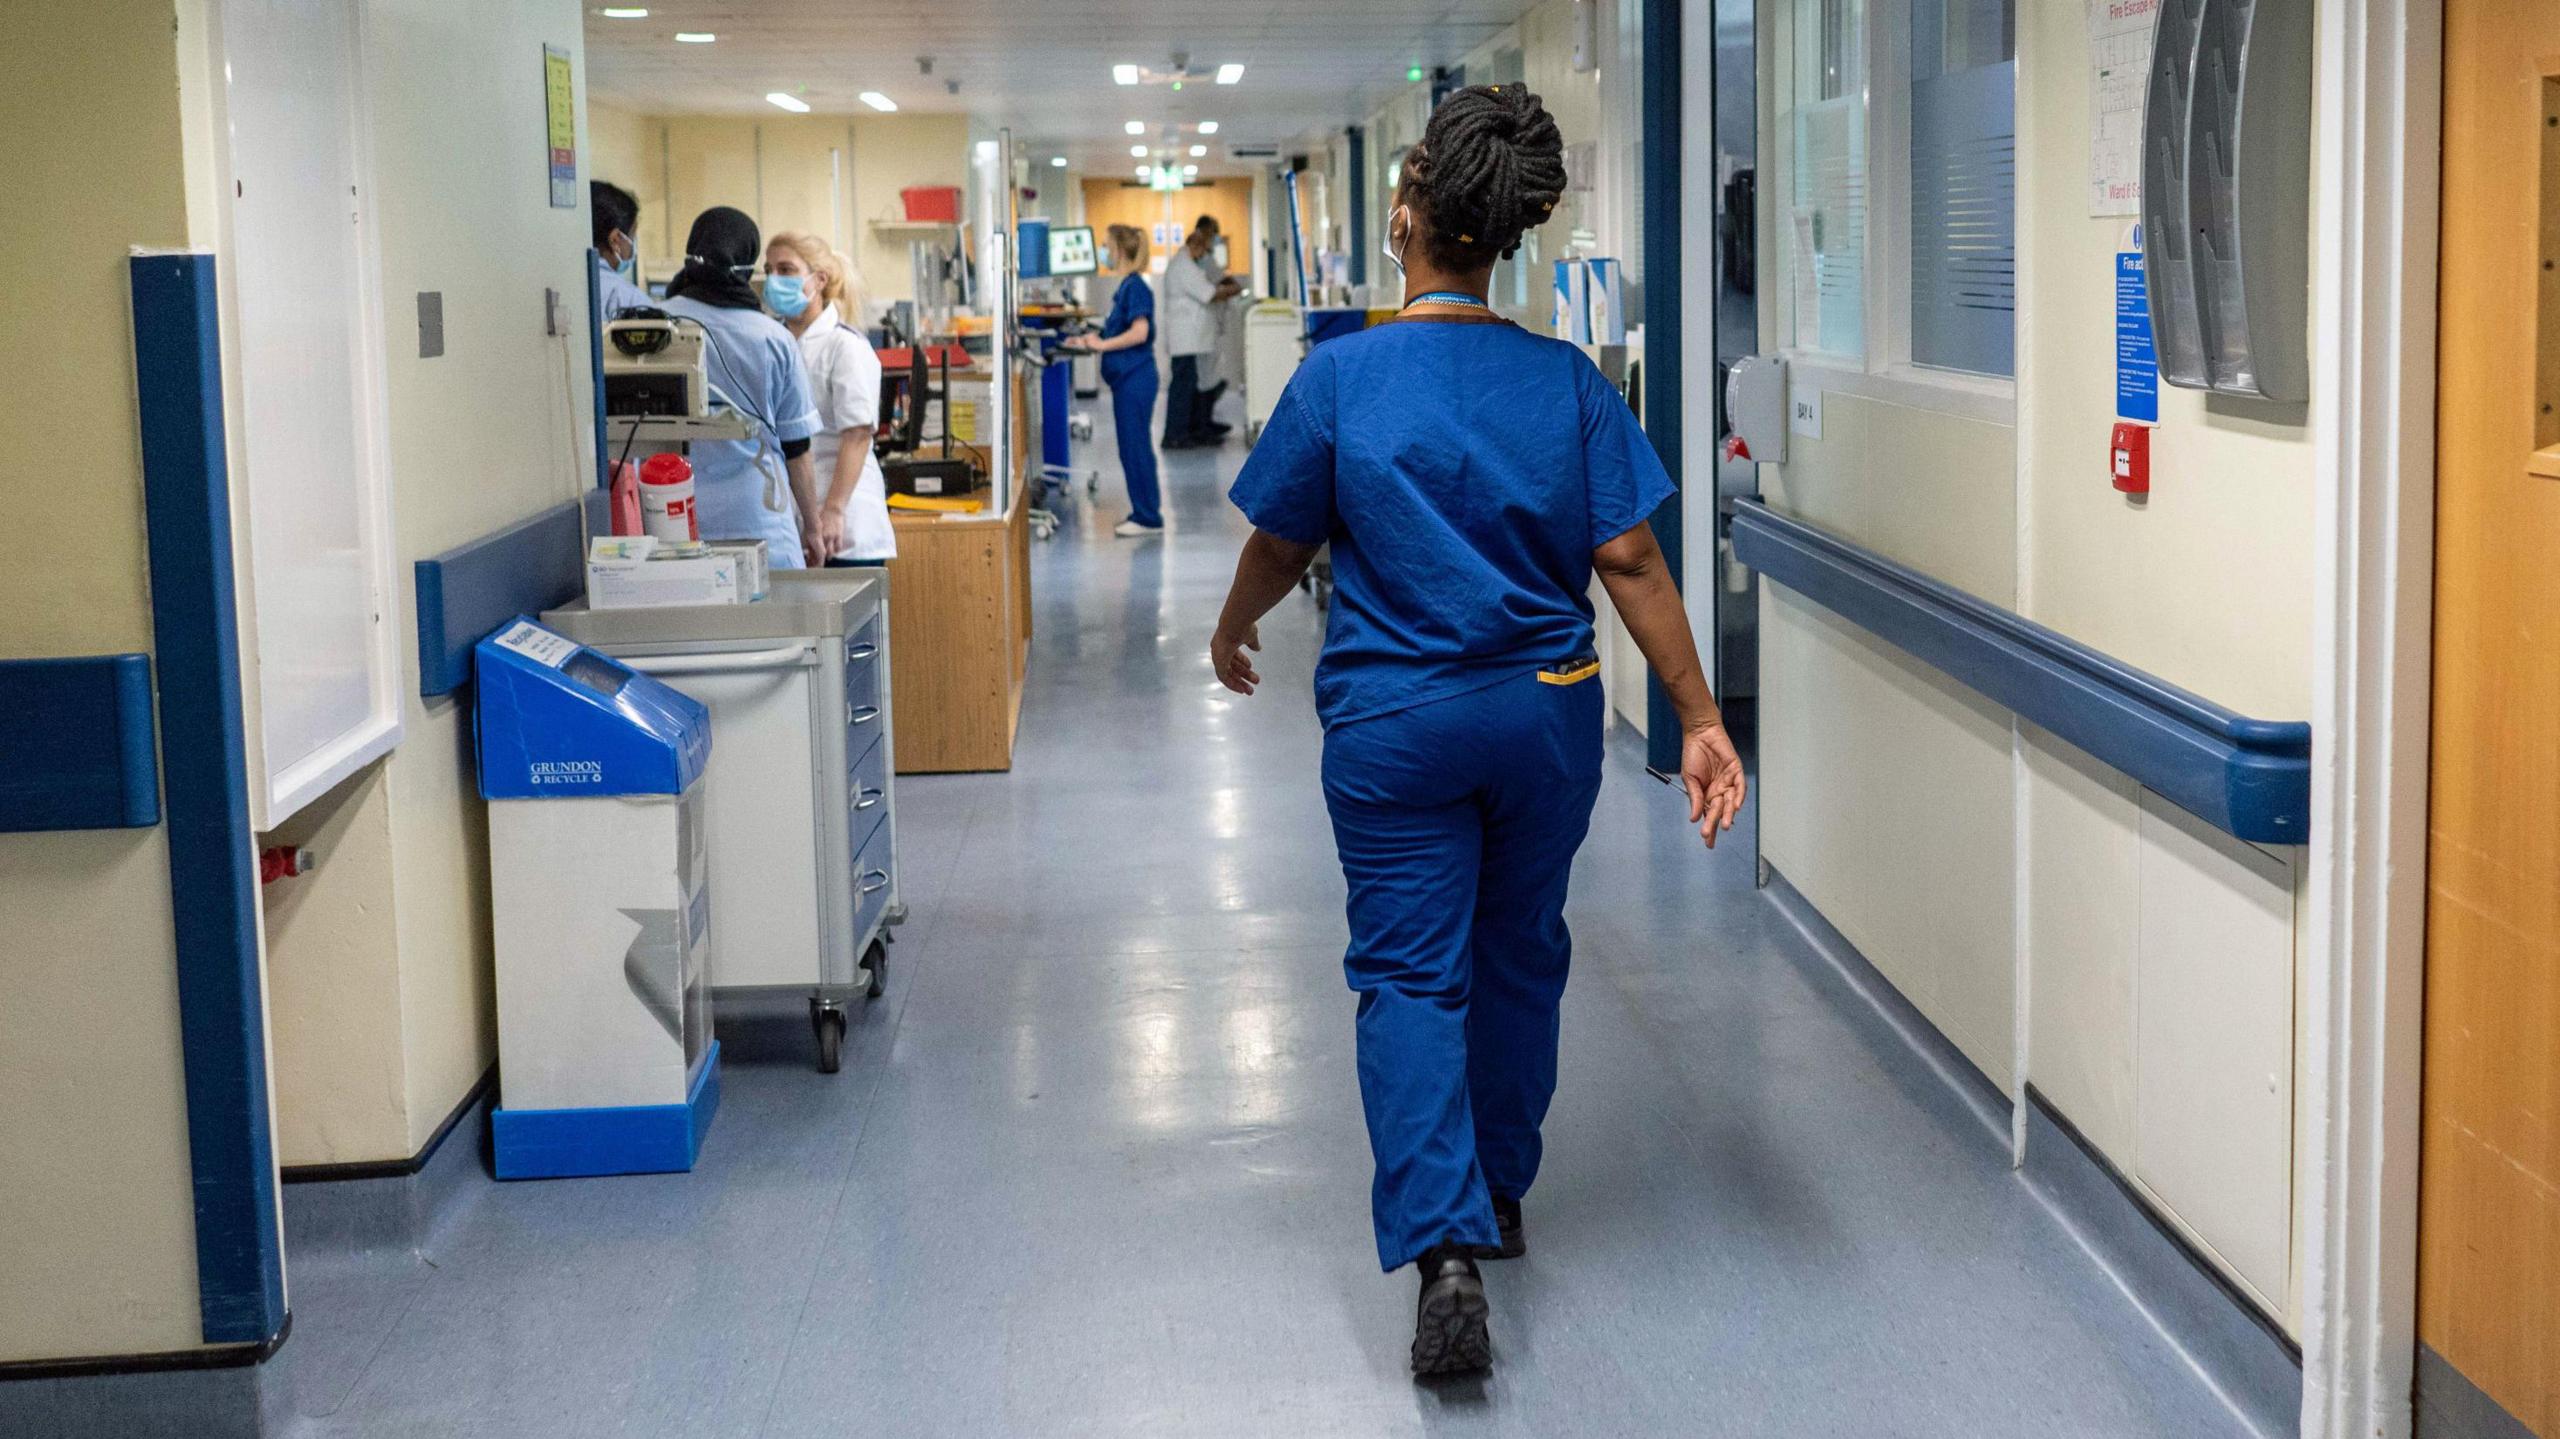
(1885, 370)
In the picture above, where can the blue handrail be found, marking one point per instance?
(2249, 777)
(530, 566)
(83, 751)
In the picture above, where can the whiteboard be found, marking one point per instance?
(304, 360)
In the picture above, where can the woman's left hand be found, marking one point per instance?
(1227, 657)
(1712, 773)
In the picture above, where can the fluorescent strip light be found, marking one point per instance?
(792, 103)
(1138, 150)
(695, 37)
(1208, 127)
(1057, 162)
(878, 101)
(623, 12)
(1124, 74)
(1229, 74)
(1199, 150)
(1136, 127)
(1144, 173)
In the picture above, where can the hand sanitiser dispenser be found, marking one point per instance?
(598, 877)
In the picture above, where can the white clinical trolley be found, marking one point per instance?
(802, 821)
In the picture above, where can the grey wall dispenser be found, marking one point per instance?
(2226, 196)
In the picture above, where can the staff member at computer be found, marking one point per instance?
(763, 488)
(1129, 367)
(809, 287)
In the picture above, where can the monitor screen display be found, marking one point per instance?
(1071, 251)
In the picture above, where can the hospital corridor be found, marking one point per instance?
(1102, 719)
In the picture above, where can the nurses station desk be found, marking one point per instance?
(960, 605)
(960, 636)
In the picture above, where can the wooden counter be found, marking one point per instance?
(959, 637)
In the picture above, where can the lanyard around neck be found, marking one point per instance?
(1447, 297)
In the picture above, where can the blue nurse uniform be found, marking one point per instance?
(1463, 472)
(1131, 373)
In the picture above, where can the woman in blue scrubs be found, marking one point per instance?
(1127, 348)
(1471, 478)
(764, 488)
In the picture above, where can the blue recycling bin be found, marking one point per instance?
(600, 898)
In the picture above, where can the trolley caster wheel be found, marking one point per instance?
(828, 1020)
(876, 959)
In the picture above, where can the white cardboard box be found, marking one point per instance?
(637, 573)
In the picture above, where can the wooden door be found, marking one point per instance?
(1171, 212)
(2489, 1230)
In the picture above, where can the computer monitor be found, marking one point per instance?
(1071, 252)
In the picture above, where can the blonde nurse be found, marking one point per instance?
(810, 288)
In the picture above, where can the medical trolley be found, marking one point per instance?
(801, 820)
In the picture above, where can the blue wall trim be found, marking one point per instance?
(595, 363)
(635, 1139)
(2249, 777)
(469, 590)
(1359, 158)
(213, 888)
(1664, 381)
(79, 737)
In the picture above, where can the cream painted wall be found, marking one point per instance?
(830, 174)
(2208, 584)
(2158, 1009)
(626, 149)
(94, 1184)
(379, 963)
(891, 153)
(463, 216)
(333, 984)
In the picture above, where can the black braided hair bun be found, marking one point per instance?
(1493, 167)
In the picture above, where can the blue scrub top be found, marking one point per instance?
(1132, 302)
(755, 366)
(1463, 472)
(614, 294)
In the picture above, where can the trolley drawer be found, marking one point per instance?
(871, 869)
(865, 654)
(867, 793)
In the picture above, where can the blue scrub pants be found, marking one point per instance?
(1133, 407)
(1457, 823)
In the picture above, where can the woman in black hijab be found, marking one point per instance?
(755, 367)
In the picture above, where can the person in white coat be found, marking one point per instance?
(810, 287)
(1190, 337)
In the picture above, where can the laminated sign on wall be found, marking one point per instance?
(2119, 69)
(2137, 361)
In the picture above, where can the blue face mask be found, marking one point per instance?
(785, 295)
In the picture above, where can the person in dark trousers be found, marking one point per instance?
(1191, 336)
(1129, 368)
(1470, 477)
(1204, 409)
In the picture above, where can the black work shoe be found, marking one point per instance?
(1507, 1221)
(1448, 1322)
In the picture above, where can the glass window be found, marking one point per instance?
(1964, 254)
(1827, 207)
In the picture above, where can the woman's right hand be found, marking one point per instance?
(831, 533)
(1712, 773)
